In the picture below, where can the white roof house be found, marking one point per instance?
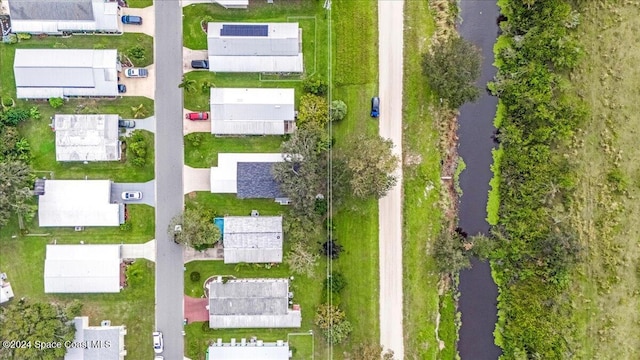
(252, 239)
(77, 203)
(255, 350)
(82, 269)
(104, 342)
(242, 111)
(50, 73)
(6, 292)
(224, 177)
(58, 16)
(255, 47)
(251, 303)
(87, 137)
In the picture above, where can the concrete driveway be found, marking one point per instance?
(188, 55)
(196, 179)
(148, 20)
(140, 86)
(148, 124)
(193, 126)
(140, 251)
(148, 190)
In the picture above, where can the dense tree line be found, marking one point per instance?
(537, 116)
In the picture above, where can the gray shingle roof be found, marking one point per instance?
(51, 9)
(256, 182)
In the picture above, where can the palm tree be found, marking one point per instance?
(139, 111)
(189, 85)
(206, 85)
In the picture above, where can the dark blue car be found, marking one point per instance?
(375, 107)
(131, 19)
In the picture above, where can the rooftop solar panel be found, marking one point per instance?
(244, 30)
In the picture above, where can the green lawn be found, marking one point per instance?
(139, 3)
(422, 213)
(306, 291)
(355, 80)
(23, 261)
(206, 153)
(122, 43)
(229, 204)
(311, 17)
(42, 141)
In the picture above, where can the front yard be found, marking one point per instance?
(201, 149)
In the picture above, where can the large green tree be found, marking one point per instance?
(30, 322)
(197, 229)
(333, 323)
(452, 68)
(313, 109)
(370, 164)
(15, 191)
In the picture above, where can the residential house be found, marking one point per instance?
(255, 47)
(251, 303)
(87, 137)
(242, 111)
(104, 342)
(6, 292)
(252, 239)
(56, 17)
(77, 203)
(254, 349)
(82, 269)
(247, 175)
(58, 73)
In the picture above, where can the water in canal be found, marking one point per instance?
(478, 291)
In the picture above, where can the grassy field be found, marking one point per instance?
(306, 291)
(206, 153)
(355, 67)
(23, 261)
(122, 43)
(229, 204)
(422, 213)
(606, 285)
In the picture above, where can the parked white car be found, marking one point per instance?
(136, 73)
(158, 344)
(132, 195)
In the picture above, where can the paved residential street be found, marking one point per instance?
(390, 27)
(169, 163)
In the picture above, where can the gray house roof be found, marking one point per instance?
(102, 335)
(51, 10)
(251, 303)
(258, 350)
(252, 239)
(46, 73)
(87, 137)
(255, 181)
(282, 39)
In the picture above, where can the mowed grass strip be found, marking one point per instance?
(23, 261)
(422, 214)
(306, 291)
(230, 205)
(201, 149)
(355, 81)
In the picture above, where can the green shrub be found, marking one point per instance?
(126, 226)
(314, 85)
(56, 102)
(24, 36)
(194, 276)
(137, 53)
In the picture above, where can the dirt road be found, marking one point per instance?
(390, 29)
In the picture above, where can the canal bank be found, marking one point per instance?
(478, 292)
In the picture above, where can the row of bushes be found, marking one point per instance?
(534, 180)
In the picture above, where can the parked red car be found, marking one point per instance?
(198, 116)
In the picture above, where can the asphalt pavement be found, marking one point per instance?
(390, 32)
(169, 163)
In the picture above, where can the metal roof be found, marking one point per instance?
(282, 39)
(74, 72)
(50, 10)
(77, 203)
(87, 137)
(224, 177)
(250, 350)
(257, 63)
(252, 239)
(251, 303)
(82, 269)
(97, 335)
(255, 181)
